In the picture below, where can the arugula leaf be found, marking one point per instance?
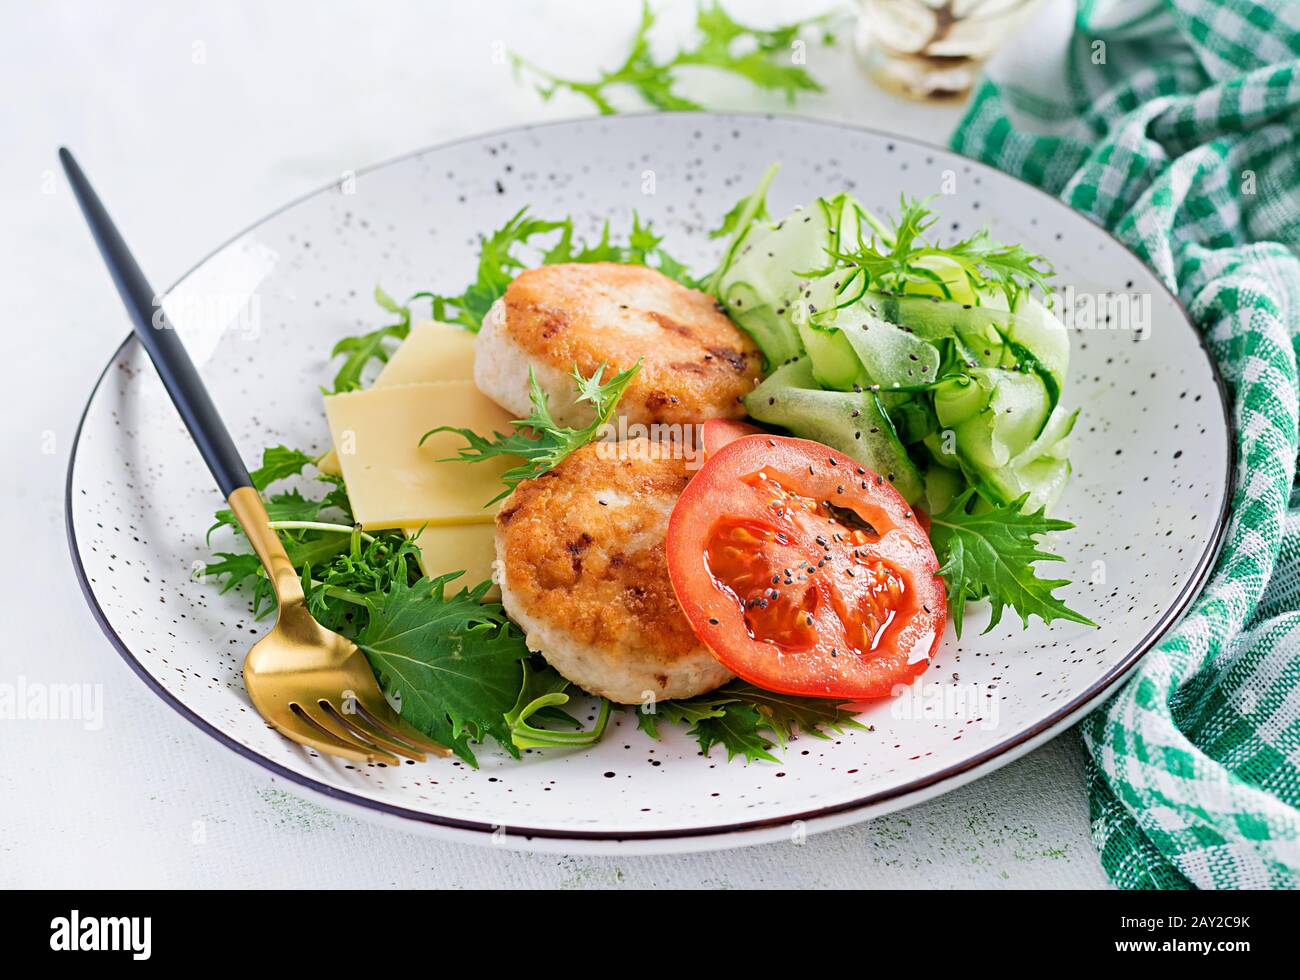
(497, 266)
(643, 247)
(341, 569)
(760, 56)
(747, 720)
(278, 463)
(690, 713)
(739, 730)
(338, 561)
(453, 663)
(891, 260)
(499, 262)
(543, 690)
(289, 505)
(539, 439)
(235, 569)
(785, 714)
(359, 351)
(991, 555)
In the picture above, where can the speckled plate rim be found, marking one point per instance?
(709, 837)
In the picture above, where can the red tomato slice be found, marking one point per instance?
(923, 519)
(718, 432)
(803, 572)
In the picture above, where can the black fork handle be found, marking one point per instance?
(160, 340)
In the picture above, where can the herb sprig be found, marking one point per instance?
(764, 57)
(748, 721)
(539, 440)
(501, 258)
(453, 662)
(892, 260)
(990, 554)
(374, 345)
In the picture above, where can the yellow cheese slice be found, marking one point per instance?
(470, 548)
(392, 480)
(431, 352)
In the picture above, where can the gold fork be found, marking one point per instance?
(311, 684)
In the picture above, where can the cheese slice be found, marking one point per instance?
(393, 480)
(470, 548)
(431, 352)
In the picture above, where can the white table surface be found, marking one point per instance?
(194, 120)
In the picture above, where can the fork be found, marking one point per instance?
(310, 684)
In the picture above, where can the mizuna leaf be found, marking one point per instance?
(991, 555)
(538, 439)
(454, 663)
(279, 462)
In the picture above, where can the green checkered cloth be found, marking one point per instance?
(1176, 124)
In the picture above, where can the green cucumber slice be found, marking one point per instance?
(852, 422)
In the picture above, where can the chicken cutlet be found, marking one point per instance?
(695, 363)
(583, 571)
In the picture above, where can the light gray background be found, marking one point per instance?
(195, 119)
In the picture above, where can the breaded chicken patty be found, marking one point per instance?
(582, 569)
(695, 363)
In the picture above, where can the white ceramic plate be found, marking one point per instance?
(1152, 471)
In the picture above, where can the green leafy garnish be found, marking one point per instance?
(991, 554)
(497, 266)
(539, 440)
(348, 568)
(279, 462)
(747, 720)
(357, 352)
(763, 57)
(500, 260)
(453, 662)
(234, 569)
(892, 260)
(542, 695)
(339, 563)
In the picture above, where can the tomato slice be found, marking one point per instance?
(718, 432)
(804, 572)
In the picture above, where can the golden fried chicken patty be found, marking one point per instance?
(695, 363)
(582, 569)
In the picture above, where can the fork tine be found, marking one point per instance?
(339, 734)
(305, 733)
(367, 734)
(381, 715)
